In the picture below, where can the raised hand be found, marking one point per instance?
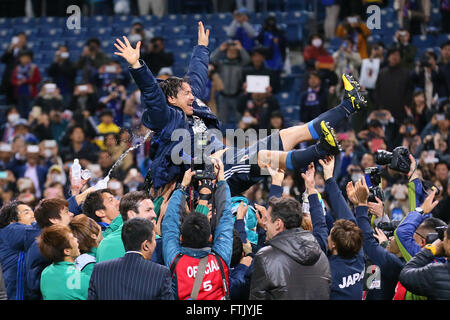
(308, 176)
(127, 52)
(412, 174)
(376, 208)
(351, 193)
(362, 192)
(380, 236)
(203, 36)
(428, 205)
(328, 167)
(277, 176)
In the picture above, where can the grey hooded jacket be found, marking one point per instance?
(291, 267)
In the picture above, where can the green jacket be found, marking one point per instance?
(113, 226)
(111, 247)
(63, 281)
(86, 262)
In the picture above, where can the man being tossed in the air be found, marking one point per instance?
(176, 104)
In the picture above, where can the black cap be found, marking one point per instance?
(374, 123)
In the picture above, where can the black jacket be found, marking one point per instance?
(291, 267)
(423, 277)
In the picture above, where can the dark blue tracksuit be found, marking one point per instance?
(347, 274)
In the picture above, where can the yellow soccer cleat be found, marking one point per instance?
(353, 92)
(328, 141)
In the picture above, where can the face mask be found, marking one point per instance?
(286, 190)
(320, 189)
(13, 117)
(356, 176)
(135, 38)
(64, 55)
(48, 153)
(317, 42)
(57, 178)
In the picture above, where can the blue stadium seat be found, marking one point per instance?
(179, 45)
(443, 38)
(182, 57)
(291, 114)
(285, 98)
(171, 32)
(422, 41)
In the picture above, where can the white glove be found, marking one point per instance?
(101, 184)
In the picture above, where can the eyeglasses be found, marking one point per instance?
(420, 235)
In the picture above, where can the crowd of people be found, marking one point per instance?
(316, 227)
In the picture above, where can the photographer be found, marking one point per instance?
(92, 57)
(156, 56)
(424, 277)
(186, 246)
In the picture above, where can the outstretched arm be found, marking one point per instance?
(157, 113)
(198, 67)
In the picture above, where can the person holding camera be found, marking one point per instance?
(355, 28)
(156, 57)
(423, 276)
(191, 244)
(385, 255)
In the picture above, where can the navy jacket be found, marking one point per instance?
(347, 274)
(13, 241)
(130, 277)
(164, 119)
(19, 172)
(390, 265)
(240, 280)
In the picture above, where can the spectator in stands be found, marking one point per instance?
(63, 72)
(158, 7)
(230, 59)
(116, 148)
(276, 121)
(332, 8)
(393, 87)
(84, 98)
(92, 57)
(275, 40)
(89, 235)
(402, 40)
(418, 110)
(107, 74)
(314, 50)
(346, 60)
(313, 100)
(156, 57)
(214, 87)
(79, 148)
(58, 124)
(58, 244)
(282, 223)
(37, 173)
(258, 67)
(7, 128)
(356, 29)
(430, 79)
(22, 128)
(138, 33)
(259, 106)
(49, 98)
(106, 125)
(414, 15)
(10, 59)
(105, 161)
(444, 63)
(241, 29)
(25, 79)
(15, 221)
(442, 173)
(143, 279)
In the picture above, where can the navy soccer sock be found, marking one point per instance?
(299, 159)
(333, 116)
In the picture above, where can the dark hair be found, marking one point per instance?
(195, 230)
(49, 209)
(237, 249)
(82, 228)
(52, 242)
(135, 231)
(431, 53)
(9, 213)
(131, 201)
(429, 225)
(448, 231)
(93, 40)
(287, 210)
(348, 238)
(94, 202)
(315, 35)
(441, 162)
(444, 44)
(154, 39)
(77, 126)
(115, 135)
(171, 86)
(315, 74)
(393, 50)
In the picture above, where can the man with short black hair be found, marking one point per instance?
(292, 266)
(103, 207)
(156, 57)
(133, 204)
(133, 276)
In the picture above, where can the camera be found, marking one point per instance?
(388, 228)
(397, 160)
(439, 234)
(203, 167)
(373, 180)
(425, 61)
